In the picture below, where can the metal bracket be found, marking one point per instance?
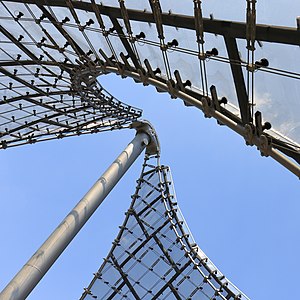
(152, 73)
(249, 134)
(265, 145)
(171, 88)
(206, 107)
(145, 126)
(143, 76)
(107, 60)
(256, 132)
(125, 60)
(179, 84)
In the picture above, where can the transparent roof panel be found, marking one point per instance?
(138, 4)
(184, 7)
(204, 49)
(233, 10)
(155, 256)
(277, 13)
(38, 100)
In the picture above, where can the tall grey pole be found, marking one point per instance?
(37, 266)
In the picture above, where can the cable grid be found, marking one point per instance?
(154, 255)
(52, 54)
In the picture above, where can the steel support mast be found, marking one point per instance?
(37, 266)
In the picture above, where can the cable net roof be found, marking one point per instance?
(51, 54)
(154, 255)
(45, 91)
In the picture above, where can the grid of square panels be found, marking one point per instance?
(42, 51)
(42, 46)
(154, 255)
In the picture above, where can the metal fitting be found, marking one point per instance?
(145, 126)
(264, 145)
(207, 110)
(249, 134)
(143, 77)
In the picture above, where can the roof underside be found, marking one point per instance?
(154, 255)
(51, 56)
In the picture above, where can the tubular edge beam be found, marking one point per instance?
(37, 266)
(241, 130)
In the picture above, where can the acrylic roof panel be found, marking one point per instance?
(154, 255)
(51, 55)
(38, 73)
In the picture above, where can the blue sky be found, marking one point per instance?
(241, 208)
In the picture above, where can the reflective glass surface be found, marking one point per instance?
(155, 255)
(51, 54)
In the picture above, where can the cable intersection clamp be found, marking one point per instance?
(254, 135)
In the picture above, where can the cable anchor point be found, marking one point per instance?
(153, 147)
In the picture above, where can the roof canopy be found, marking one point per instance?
(222, 57)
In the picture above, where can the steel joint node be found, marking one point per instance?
(249, 134)
(207, 110)
(264, 146)
(153, 147)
